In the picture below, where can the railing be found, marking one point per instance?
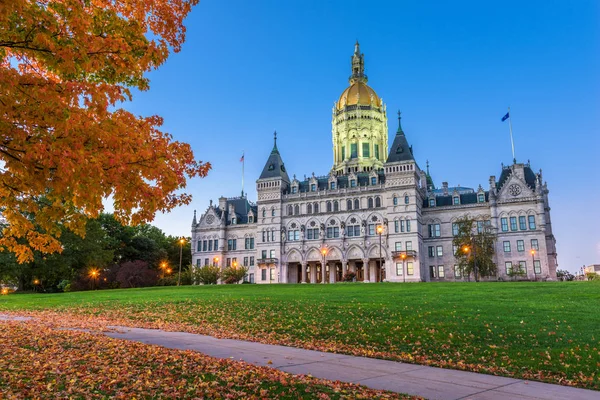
(266, 261)
(407, 254)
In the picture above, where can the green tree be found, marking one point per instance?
(474, 248)
(233, 274)
(208, 275)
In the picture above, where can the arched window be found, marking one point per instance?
(377, 201)
(264, 212)
(328, 205)
(309, 208)
(406, 199)
(370, 202)
(349, 204)
(395, 201)
(356, 204)
(272, 212)
(336, 206)
(316, 207)
(296, 209)
(290, 210)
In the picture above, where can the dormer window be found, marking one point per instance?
(250, 219)
(431, 202)
(332, 185)
(373, 180)
(233, 221)
(313, 187)
(294, 189)
(481, 198)
(353, 183)
(456, 200)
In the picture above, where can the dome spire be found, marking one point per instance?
(358, 66)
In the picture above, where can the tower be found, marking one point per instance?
(359, 124)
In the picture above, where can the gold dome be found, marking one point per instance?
(358, 93)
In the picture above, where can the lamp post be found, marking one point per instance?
(216, 261)
(379, 232)
(163, 267)
(94, 275)
(181, 242)
(466, 249)
(403, 256)
(324, 252)
(533, 264)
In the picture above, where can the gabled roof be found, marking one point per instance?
(274, 168)
(530, 178)
(401, 150)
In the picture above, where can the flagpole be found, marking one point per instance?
(243, 163)
(512, 143)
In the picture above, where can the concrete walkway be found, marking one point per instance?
(429, 382)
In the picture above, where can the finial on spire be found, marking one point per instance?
(357, 47)
(399, 123)
(427, 163)
(358, 66)
(275, 142)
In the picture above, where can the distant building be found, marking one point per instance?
(594, 268)
(319, 228)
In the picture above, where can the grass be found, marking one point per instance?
(546, 331)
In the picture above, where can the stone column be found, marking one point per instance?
(303, 275)
(332, 272)
(323, 274)
(283, 274)
(366, 268)
(313, 273)
(344, 267)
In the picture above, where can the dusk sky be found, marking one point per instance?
(453, 67)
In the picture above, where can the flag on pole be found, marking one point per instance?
(507, 116)
(242, 159)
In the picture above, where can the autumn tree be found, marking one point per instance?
(66, 68)
(474, 244)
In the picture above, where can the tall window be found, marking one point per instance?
(356, 204)
(296, 209)
(439, 251)
(532, 222)
(398, 246)
(431, 202)
(408, 225)
(481, 197)
(479, 226)
(431, 251)
(245, 261)
(272, 212)
(457, 271)
(290, 210)
(264, 254)
(377, 201)
(534, 244)
(376, 150)
(402, 225)
(343, 153)
(506, 246)
(373, 180)
(399, 268)
(328, 206)
(520, 245)
(272, 255)
(508, 267)
(370, 202)
(313, 187)
(349, 204)
(396, 224)
(216, 246)
(513, 223)
(309, 208)
(352, 183)
(432, 273)
(409, 246)
(316, 208)
(263, 274)
(294, 189)
(454, 229)
(523, 266)
(504, 222)
(264, 212)
(456, 200)
(409, 268)
(537, 267)
(371, 229)
(522, 223)
(251, 261)
(199, 245)
(210, 245)
(336, 206)
(406, 199)
(395, 200)
(332, 185)
(365, 150)
(353, 150)
(441, 272)
(434, 230)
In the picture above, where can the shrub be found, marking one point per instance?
(233, 275)
(207, 275)
(64, 285)
(136, 274)
(349, 276)
(592, 276)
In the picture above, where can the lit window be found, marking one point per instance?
(409, 268)
(441, 272)
(508, 267)
(457, 271)
(537, 267)
(439, 251)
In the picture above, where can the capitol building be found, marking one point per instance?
(377, 214)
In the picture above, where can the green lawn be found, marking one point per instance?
(547, 331)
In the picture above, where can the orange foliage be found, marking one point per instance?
(65, 145)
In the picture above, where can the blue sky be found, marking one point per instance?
(452, 67)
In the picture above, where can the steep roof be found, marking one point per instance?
(274, 168)
(401, 150)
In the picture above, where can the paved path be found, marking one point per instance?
(429, 382)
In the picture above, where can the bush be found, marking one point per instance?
(233, 275)
(136, 274)
(349, 276)
(64, 286)
(592, 276)
(207, 275)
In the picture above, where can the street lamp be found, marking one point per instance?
(181, 242)
(533, 264)
(94, 275)
(216, 261)
(324, 252)
(4, 291)
(163, 267)
(403, 256)
(466, 249)
(379, 232)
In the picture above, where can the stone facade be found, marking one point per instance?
(376, 214)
